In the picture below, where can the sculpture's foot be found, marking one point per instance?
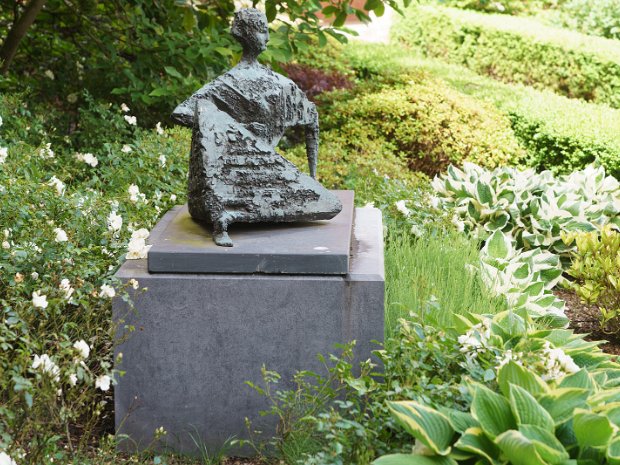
(220, 230)
(223, 239)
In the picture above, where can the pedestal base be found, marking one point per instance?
(199, 337)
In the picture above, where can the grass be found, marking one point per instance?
(443, 266)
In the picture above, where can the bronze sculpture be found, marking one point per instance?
(235, 174)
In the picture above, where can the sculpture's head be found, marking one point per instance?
(250, 29)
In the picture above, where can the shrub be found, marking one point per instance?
(598, 18)
(432, 364)
(596, 269)
(510, 7)
(65, 224)
(517, 50)
(559, 134)
(527, 422)
(426, 124)
(532, 209)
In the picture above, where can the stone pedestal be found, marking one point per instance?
(200, 336)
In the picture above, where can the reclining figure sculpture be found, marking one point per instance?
(235, 174)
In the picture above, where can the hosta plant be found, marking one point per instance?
(570, 421)
(595, 268)
(524, 278)
(533, 208)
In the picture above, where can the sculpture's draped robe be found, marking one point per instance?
(237, 120)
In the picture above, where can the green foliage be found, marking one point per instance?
(523, 279)
(519, 50)
(510, 7)
(442, 266)
(598, 18)
(432, 365)
(595, 268)
(60, 247)
(426, 125)
(154, 54)
(519, 425)
(559, 134)
(530, 208)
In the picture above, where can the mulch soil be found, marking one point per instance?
(584, 319)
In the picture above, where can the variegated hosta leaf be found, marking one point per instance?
(427, 425)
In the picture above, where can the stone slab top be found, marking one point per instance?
(182, 245)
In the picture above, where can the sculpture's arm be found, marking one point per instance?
(183, 114)
(312, 139)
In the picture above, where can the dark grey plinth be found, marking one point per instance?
(318, 247)
(199, 337)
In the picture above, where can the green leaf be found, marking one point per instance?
(189, 20)
(513, 373)
(460, 421)
(170, 70)
(498, 246)
(485, 193)
(613, 452)
(424, 423)
(475, 441)
(518, 449)
(492, 411)
(547, 445)
(270, 10)
(580, 379)
(340, 19)
(527, 411)
(562, 402)
(592, 429)
(409, 459)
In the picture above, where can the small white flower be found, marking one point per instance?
(61, 235)
(417, 231)
(134, 193)
(65, 286)
(6, 245)
(159, 129)
(124, 107)
(34, 275)
(72, 98)
(4, 457)
(115, 221)
(131, 120)
(46, 365)
(58, 184)
(107, 291)
(126, 149)
(173, 198)
(38, 300)
(0, 120)
(82, 347)
(401, 206)
(103, 382)
(73, 379)
(162, 160)
(49, 74)
(137, 249)
(4, 153)
(46, 152)
(141, 233)
(134, 283)
(90, 159)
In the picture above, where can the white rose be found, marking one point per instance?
(103, 382)
(82, 347)
(61, 235)
(38, 300)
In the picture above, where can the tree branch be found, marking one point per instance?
(17, 33)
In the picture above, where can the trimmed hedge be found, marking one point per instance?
(559, 134)
(519, 50)
(426, 126)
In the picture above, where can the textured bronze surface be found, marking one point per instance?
(235, 173)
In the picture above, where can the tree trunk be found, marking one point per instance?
(17, 33)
